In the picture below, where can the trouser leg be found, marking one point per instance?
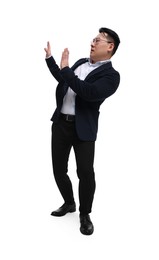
(84, 153)
(61, 146)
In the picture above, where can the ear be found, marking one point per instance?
(111, 47)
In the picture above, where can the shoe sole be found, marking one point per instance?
(86, 233)
(59, 215)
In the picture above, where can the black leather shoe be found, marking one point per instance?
(63, 210)
(86, 227)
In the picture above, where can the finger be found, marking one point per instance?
(66, 50)
(48, 44)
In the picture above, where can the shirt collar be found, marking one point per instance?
(98, 63)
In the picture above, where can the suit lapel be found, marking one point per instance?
(78, 63)
(98, 70)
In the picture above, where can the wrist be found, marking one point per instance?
(48, 55)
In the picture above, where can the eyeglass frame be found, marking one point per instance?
(98, 40)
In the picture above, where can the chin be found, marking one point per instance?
(91, 57)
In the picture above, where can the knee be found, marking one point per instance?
(85, 173)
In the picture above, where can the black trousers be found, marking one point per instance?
(64, 137)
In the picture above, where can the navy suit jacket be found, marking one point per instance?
(99, 84)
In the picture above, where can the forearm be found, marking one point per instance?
(96, 90)
(54, 68)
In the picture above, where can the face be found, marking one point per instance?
(101, 48)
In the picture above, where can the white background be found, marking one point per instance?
(125, 210)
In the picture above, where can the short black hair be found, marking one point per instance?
(113, 35)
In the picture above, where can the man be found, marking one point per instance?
(79, 94)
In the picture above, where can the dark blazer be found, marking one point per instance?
(99, 84)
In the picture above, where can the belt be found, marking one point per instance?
(68, 118)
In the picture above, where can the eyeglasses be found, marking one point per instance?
(98, 40)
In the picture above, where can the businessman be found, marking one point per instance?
(80, 91)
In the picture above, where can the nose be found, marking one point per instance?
(92, 43)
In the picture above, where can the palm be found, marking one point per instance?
(64, 58)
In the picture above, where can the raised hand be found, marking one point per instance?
(48, 50)
(65, 58)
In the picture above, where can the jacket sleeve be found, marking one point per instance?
(101, 87)
(54, 69)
